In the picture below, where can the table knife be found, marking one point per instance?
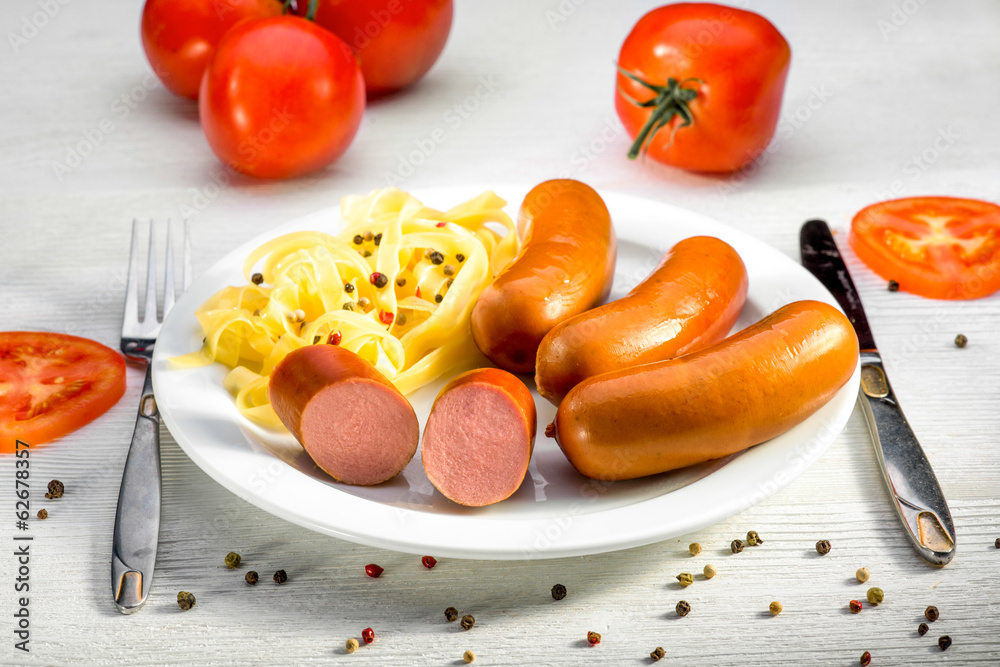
(916, 494)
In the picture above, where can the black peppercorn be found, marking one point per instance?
(467, 621)
(436, 257)
(997, 543)
(736, 546)
(451, 614)
(185, 600)
(348, 287)
(378, 239)
(823, 547)
(931, 613)
(460, 258)
(922, 629)
(358, 239)
(379, 279)
(438, 298)
(893, 286)
(251, 577)
(558, 592)
(257, 278)
(280, 577)
(56, 489)
(683, 608)
(944, 642)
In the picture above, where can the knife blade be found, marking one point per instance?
(917, 497)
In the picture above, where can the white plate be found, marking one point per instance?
(556, 512)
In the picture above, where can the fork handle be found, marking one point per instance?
(137, 521)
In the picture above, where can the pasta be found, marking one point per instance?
(320, 288)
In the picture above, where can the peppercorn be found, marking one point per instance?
(931, 613)
(685, 579)
(449, 282)
(469, 656)
(893, 286)
(366, 253)
(358, 239)
(401, 319)
(467, 621)
(438, 298)
(862, 574)
(280, 577)
(997, 543)
(429, 561)
(694, 548)
(710, 571)
(436, 257)
(866, 659)
(348, 287)
(961, 340)
(944, 642)
(352, 645)
(378, 239)
(296, 316)
(43, 514)
(683, 608)
(363, 302)
(378, 279)
(257, 278)
(56, 489)
(594, 638)
(922, 629)
(369, 236)
(348, 305)
(657, 653)
(451, 614)
(400, 281)
(736, 546)
(775, 608)
(449, 270)
(368, 635)
(373, 570)
(753, 539)
(460, 258)
(251, 577)
(558, 592)
(185, 600)
(233, 560)
(823, 547)
(334, 338)
(875, 595)
(856, 606)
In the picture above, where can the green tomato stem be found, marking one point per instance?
(669, 101)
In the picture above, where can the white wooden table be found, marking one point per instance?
(880, 101)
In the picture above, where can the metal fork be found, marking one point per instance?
(137, 521)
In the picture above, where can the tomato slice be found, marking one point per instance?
(937, 247)
(52, 384)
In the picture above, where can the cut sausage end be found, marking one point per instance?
(476, 448)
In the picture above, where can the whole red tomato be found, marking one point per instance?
(396, 40)
(700, 85)
(179, 36)
(282, 97)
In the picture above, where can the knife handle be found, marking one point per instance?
(919, 502)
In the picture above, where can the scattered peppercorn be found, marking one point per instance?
(467, 621)
(295, 316)
(56, 489)
(594, 638)
(233, 560)
(753, 539)
(401, 319)
(866, 659)
(449, 270)
(558, 592)
(348, 287)
(944, 642)
(364, 302)
(378, 279)
(469, 656)
(349, 305)
(931, 613)
(737, 546)
(352, 645)
(280, 577)
(862, 574)
(366, 253)
(378, 239)
(369, 236)
(368, 635)
(775, 608)
(657, 653)
(400, 281)
(823, 547)
(373, 570)
(449, 282)
(694, 548)
(685, 579)
(334, 338)
(451, 614)
(251, 577)
(436, 257)
(43, 514)
(358, 239)
(317, 339)
(997, 543)
(893, 286)
(257, 278)
(961, 340)
(438, 298)
(185, 600)
(875, 595)
(683, 608)
(922, 629)
(856, 606)
(710, 571)
(460, 258)
(429, 561)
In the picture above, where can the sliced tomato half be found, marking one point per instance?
(52, 384)
(936, 247)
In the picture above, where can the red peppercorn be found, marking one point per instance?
(334, 338)
(441, 224)
(386, 318)
(594, 638)
(856, 606)
(866, 659)
(368, 635)
(429, 561)
(374, 571)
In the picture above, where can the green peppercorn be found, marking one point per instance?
(367, 253)
(233, 560)
(56, 489)
(685, 579)
(823, 547)
(736, 546)
(348, 305)
(449, 270)
(775, 608)
(352, 645)
(875, 595)
(251, 577)
(280, 577)
(931, 613)
(683, 608)
(710, 571)
(185, 600)
(657, 654)
(257, 278)
(694, 548)
(961, 340)
(753, 539)
(451, 614)
(893, 286)
(400, 319)
(358, 239)
(467, 621)
(558, 592)
(363, 302)
(862, 574)
(43, 514)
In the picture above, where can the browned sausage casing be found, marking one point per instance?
(691, 300)
(743, 390)
(566, 266)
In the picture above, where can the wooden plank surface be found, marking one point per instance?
(863, 100)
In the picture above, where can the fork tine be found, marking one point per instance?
(187, 257)
(168, 287)
(149, 310)
(131, 315)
